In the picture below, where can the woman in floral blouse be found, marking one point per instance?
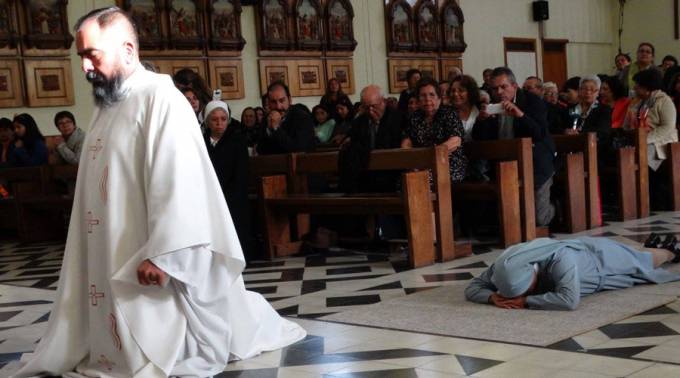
(436, 124)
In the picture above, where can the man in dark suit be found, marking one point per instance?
(524, 116)
(290, 127)
(378, 127)
(412, 77)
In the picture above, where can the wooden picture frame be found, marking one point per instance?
(272, 70)
(224, 25)
(447, 67)
(147, 15)
(309, 33)
(171, 66)
(451, 21)
(398, 67)
(343, 71)
(340, 25)
(9, 37)
(311, 78)
(48, 82)
(427, 26)
(273, 21)
(46, 23)
(185, 24)
(399, 26)
(11, 93)
(227, 75)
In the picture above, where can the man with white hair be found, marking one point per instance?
(151, 281)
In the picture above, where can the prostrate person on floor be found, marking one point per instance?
(550, 274)
(151, 281)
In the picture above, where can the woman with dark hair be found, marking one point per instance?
(667, 62)
(187, 78)
(333, 95)
(345, 111)
(196, 104)
(261, 115)
(464, 94)
(434, 124)
(614, 95)
(323, 124)
(29, 145)
(656, 113)
(250, 126)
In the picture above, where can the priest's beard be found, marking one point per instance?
(106, 92)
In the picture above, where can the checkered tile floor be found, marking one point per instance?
(305, 288)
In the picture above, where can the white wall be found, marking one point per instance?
(649, 21)
(589, 25)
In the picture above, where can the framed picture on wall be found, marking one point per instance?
(343, 70)
(147, 16)
(46, 24)
(273, 17)
(197, 66)
(449, 68)
(227, 75)
(427, 25)
(310, 78)
(8, 32)
(400, 26)
(451, 20)
(186, 24)
(340, 19)
(398, 67)
(225, 25)
(11, 95)
(273, 70)
(48, 82)
(309, 25)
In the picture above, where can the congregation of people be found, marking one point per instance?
(639, 94)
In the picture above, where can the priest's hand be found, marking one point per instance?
(149, 274)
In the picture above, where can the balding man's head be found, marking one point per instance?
(373, 102)
(108, 46)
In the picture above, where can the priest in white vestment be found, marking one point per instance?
(151, 281)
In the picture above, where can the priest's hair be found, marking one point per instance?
(107, 17)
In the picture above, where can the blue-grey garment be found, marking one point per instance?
(567, 270)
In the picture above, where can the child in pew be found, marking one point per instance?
(550, 274)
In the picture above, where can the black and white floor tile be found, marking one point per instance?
(308, 287)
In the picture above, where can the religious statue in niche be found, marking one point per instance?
(340, 17)
(46, 24)
(274, 24)
(308, 25)
(427, 26)
(146, 15)
(8, 34)
(185, 24)
(225, 25)
(399, 21)
(452, 27)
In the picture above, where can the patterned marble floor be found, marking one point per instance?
(305, 288)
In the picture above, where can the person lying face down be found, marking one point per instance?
(550, 274)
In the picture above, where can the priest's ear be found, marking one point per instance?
(129, 52)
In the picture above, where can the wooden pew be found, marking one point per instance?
(434, 159)
(581, 178)
(632, 177)
(519, 150)
(415, 203)
(23, 182)
(674, 167)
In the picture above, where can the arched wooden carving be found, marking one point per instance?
(185, 20)
(47, 24)
(451, 20)
(340, 30)
(9, 37)
(147, 16)
(400, 26)
(427, 26)
(274, 19)
(309, 25)
(225, 25)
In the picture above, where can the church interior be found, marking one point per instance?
(378, 280)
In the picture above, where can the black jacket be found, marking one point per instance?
(533, 125)
(295, 134)
(353, 158)
(229, 157)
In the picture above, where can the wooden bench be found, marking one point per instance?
(21, 183)
(674, 167)
(514, 228)
(581, 181)
(433, 159)
(632, 177)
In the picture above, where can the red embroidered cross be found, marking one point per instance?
(94, 295)
(96, 148)
(91, 221)
(105, 362)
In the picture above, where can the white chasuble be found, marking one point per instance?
(146, 190)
